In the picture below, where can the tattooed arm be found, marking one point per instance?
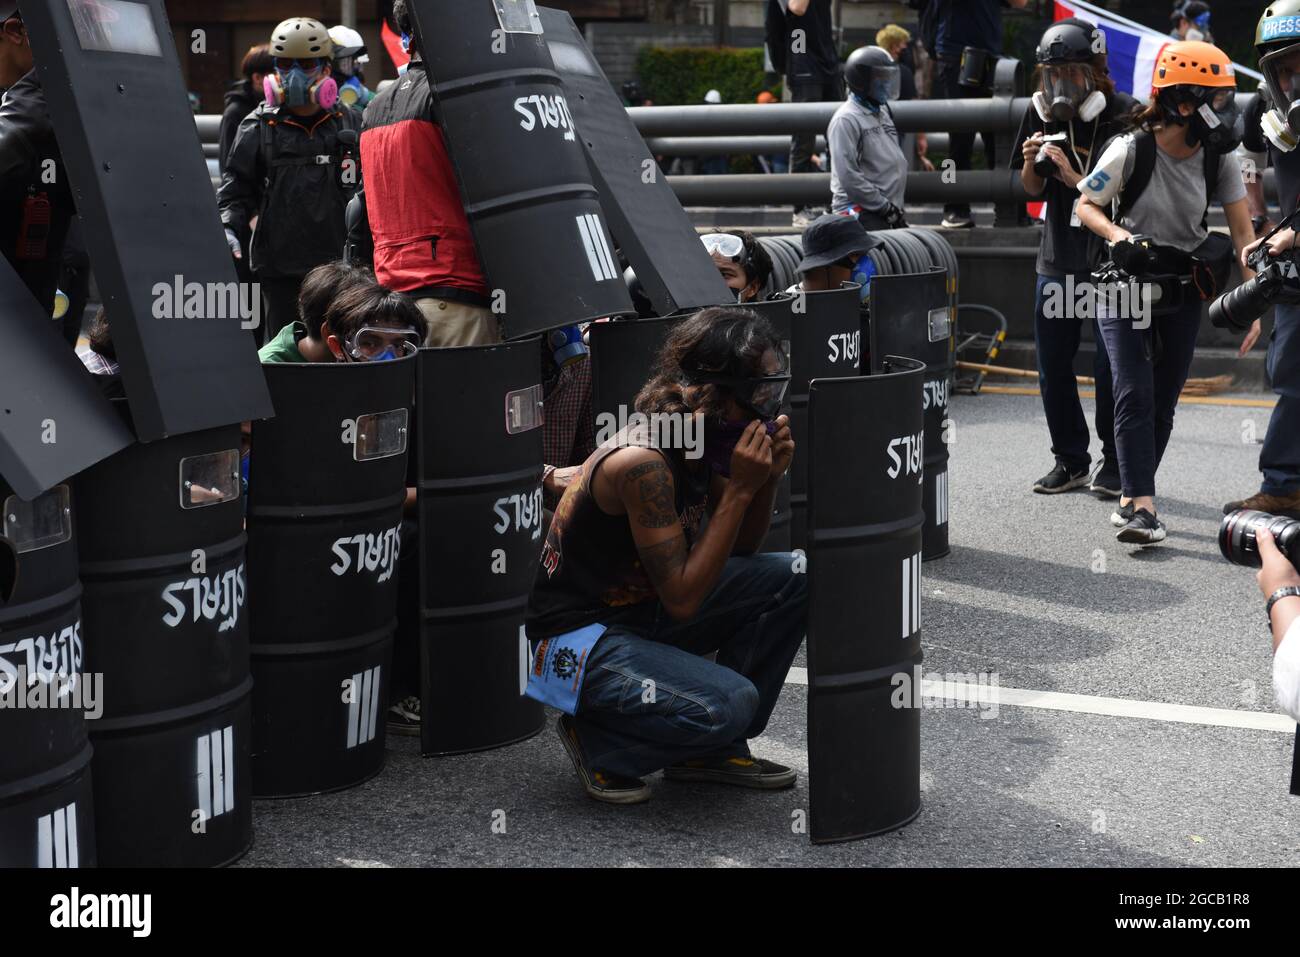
(639, 483)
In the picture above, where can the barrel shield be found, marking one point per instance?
(524, 180)
(327, 481)
(161, 540)
(865, 448)
(912, 315)
(649, 223)
(46, 810)
(124, 125)
(480, 472)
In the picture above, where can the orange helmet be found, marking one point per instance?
(1192, 63)
(766, 97)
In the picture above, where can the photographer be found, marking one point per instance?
(1161, 177)
(1076, 103)
(635, 589)
(1280, 583)
(1277, 39)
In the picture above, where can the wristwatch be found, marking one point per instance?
(1289, 591)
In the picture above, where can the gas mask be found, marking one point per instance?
(1281, 125)
(1068, 92)
(352, 92)
(298, 87)
(1216, 123)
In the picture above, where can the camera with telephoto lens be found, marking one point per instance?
(1043, 165)
(1237, 536)
(1276, 282)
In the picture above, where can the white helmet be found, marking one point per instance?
(713, 96)
(348, 43)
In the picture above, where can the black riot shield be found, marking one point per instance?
(479, 424)
(46, 811)
(864, 613)
(911, 315)
(524, 180)
(111, 75)
(327, 479)
(54, 422)
(647, 220)
(623, 356)
(161, 540)
(824, 336)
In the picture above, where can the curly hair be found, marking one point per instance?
(725, 340)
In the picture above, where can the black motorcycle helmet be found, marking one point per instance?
(872, 74)
(1068, 41)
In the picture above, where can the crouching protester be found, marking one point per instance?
(631, 594)
(1157, 181)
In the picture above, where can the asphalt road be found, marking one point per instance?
(1037, 591)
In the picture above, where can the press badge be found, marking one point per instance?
(1074, 212)
(558, 666)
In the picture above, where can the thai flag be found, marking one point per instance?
(1131, 48)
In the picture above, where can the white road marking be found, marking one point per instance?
(1112, 707)
(352, 862)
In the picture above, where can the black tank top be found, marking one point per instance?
(590, 569)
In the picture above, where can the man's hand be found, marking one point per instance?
(233, 242)
(751, 460)
(1252, 337)
(782, 447)
(1276, 570)
(1030, 147)
(1280, 243)
(1064, 170)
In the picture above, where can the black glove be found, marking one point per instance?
(894, 217)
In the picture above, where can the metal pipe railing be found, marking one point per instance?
(758, 189)
(757, 145)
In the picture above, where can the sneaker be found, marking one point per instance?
(1288, 505)
(803, 218)
(953, 221)
(1122, 515)
(745, 772)
(610, 788)
(1061, 479)
(404, 717)
(1142, 529)
(1106, 482)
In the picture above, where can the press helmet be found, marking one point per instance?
(302, 38)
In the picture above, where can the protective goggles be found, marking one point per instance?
(1281, 69)
(763, 395)
(1072, 82)
(285, 64)
(377, 343)
(724, 244)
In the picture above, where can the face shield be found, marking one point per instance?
(885, 83)
(1065, 87)
(380, 343)
(762, 395)
(1281, 69)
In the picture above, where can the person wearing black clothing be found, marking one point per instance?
(1075, 96)
(287, 168)
(36, 203)
(801, 43)
(242, 97)
(962, 24)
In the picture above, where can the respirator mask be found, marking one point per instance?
(300, 83)
(1281, 69)
(1069, 92)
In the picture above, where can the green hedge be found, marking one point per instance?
(682, 75)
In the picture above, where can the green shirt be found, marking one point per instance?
(284, 347)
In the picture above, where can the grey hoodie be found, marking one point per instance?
(868, 168)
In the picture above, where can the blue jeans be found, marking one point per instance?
(650, 700)
(1149, 367)
(1056, 343)
(1279, 459)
